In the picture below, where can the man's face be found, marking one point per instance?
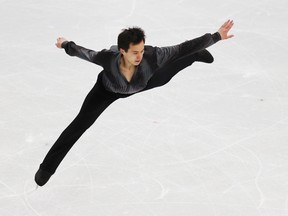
(134, 54)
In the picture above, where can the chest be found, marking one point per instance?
(127, 73)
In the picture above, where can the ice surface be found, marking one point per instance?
(213, 142)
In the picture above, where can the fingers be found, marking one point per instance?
(225, 28)
(59, 41)
(228, 24)
(225, 24)
(230, 36)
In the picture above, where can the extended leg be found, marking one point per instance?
(95, 103)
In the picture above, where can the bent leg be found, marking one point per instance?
(95, 103)
(165, 74)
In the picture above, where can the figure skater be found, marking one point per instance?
(129, 68)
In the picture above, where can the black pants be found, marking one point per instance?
(95, 103)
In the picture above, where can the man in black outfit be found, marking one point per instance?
(129, 68)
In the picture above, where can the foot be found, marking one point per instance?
(204, 56)
(42, 177)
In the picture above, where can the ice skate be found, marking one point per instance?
(42, 177)
(204, 56)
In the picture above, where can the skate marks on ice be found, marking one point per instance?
(212, 142)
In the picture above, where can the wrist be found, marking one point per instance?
(64, 44)
(216, 37)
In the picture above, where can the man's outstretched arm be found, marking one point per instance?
(73, 49)
(165, 54)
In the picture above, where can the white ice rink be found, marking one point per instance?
(213, 142)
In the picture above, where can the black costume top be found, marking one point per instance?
(153, 59)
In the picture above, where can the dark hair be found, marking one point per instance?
(131, 35)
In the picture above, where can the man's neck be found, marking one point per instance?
(127, 69)
(126, 65)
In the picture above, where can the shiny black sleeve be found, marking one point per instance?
(73, 49)
(166, 54)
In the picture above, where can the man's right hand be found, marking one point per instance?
(59, 42)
